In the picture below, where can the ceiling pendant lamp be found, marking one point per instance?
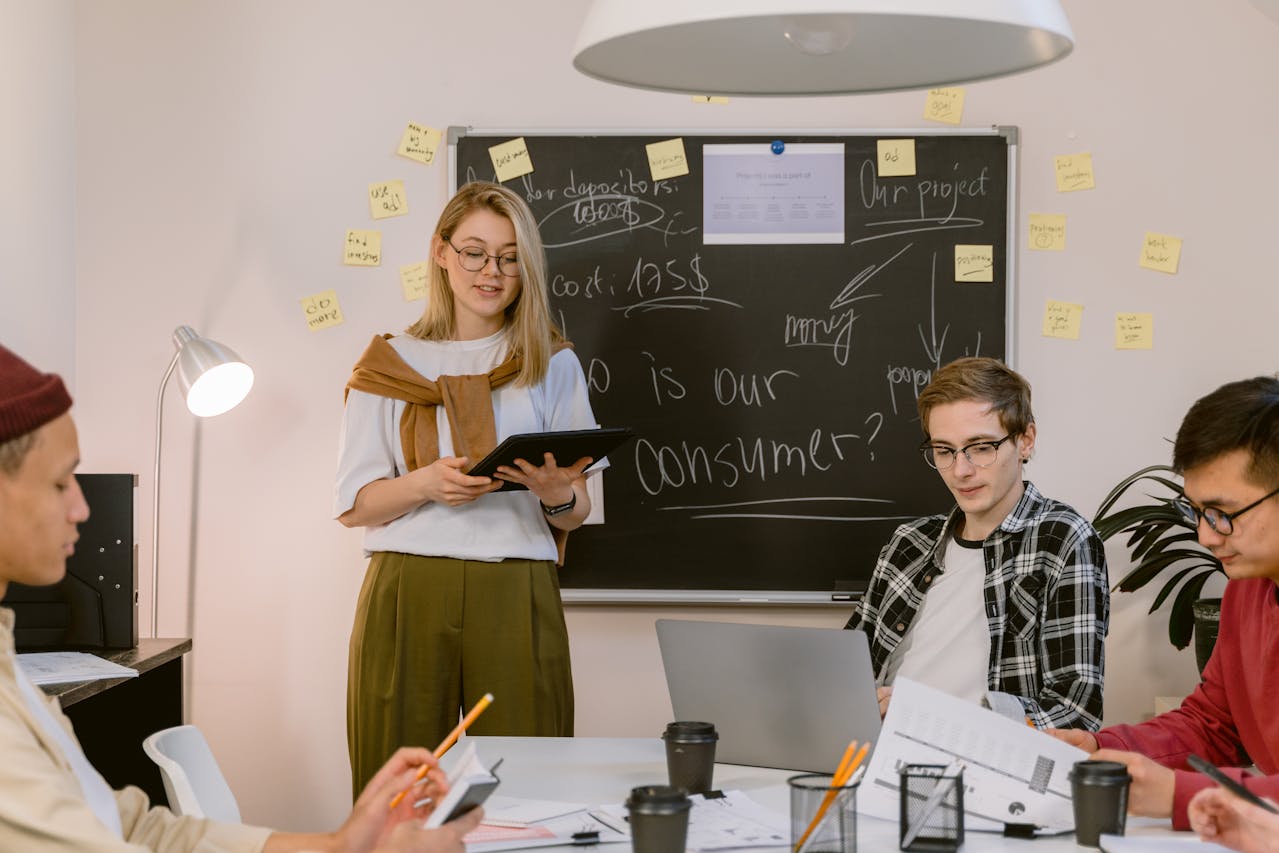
(816, 47)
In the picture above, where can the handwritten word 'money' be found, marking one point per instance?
(662, 466)
(834, 331)
(926, 191)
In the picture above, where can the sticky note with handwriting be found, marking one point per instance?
(709, 99)
(974, 263)
(945, 105)
(511, 159)
(1062, 320)
(363, 248)
(1074, 172)
(1160, 252)
(895, 158)
(1134, 331)
(387, 199)
(419, 143)
(666, 159)
(1047, 231)
(413, 280)
(321, 310)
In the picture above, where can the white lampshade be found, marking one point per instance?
(213, 378)
(815, 47)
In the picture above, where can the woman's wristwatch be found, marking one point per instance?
(561, 508)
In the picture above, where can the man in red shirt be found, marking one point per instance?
(1227, 451)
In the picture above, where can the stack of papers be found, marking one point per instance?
(730, 822)
(64, 667)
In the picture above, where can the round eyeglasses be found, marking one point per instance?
(474, 259)
(1219, 520)
(981, 454)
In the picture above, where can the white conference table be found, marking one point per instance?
(600, 771)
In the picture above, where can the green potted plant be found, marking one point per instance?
(1164, 544)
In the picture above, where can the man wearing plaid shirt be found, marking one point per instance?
(1004, 600)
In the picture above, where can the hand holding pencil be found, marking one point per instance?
(446, 745)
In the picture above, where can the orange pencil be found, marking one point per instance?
(843, 773)
(445, 745)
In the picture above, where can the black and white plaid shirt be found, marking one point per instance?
(1047, 605)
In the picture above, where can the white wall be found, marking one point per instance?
(37, 183)
(221, 150)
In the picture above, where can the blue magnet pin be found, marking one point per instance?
(778, 146)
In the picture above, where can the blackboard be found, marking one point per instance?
(771, 386)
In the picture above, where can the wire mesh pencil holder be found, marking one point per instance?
(932, 808)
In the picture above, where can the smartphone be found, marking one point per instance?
(1229, 784)
(474, 795)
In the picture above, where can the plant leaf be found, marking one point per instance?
(1147, 569)
(1170, 586)
(1123, 486)
(1181, 622)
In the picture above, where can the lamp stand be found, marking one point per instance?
(155, 497)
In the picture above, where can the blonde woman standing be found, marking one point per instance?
(461, 596)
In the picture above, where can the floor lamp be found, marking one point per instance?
(214, 380)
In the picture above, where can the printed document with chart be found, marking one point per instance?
(1013, 773)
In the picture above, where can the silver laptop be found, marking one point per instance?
(778, 696)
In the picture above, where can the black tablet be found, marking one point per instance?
(567, 445)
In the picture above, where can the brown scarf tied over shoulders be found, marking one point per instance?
(467, 402)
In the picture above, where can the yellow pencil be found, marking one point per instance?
(446, 745)
(842, 774)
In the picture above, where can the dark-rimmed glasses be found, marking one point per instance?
(474, 259)
(1218, 519)
(982, 454)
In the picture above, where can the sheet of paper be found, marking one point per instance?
(974, 263)
(1062, 320)
(387, 199)
(1013, 773)
(486, 838)
(667, 159)
(511, 159)
(895, 158)
(1074, 172)
(520, 811)
(1158, 844)
(945, 105)
(1161, 252)
(419, 143)
(363, 248)
(1134, 331)
(731, 822)
(752, 196)
(65, 667)
(322, 310)
(1047, 231)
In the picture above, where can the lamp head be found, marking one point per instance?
(816, 47)
(213, 378)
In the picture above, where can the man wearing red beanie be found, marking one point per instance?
(51, 798)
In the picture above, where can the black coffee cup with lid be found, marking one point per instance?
(690, 755)
(1099, 790)
(658, 818)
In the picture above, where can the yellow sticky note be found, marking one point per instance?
(322, 310)
(419, 143)
(974, 263)
(1161, 252)
(511, 159)
(895, 157)
(363, 249)
(1134, 331)
(387, 199)
(709, 99)
(413, 280)
(1074, 172)
(1047, 231)
(666, 159)
(945, 105)
(1062, 320)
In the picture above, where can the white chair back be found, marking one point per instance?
(191, 775)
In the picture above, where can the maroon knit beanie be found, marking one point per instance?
(29, 399)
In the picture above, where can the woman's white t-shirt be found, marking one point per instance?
(498, 525)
